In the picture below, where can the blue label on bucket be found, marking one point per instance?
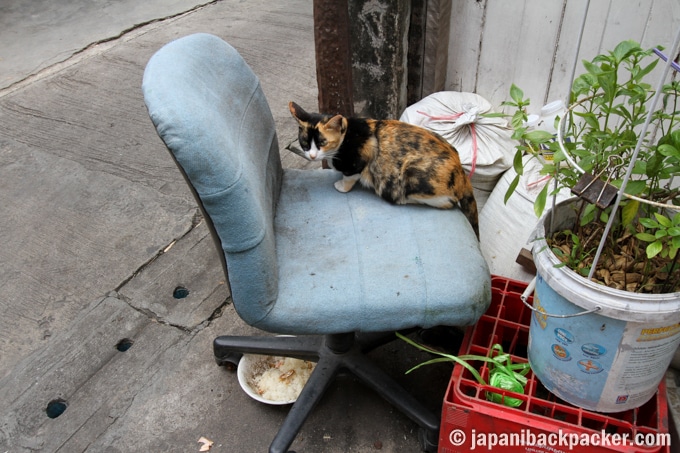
(590, 366)
(560, 352)
(571, 356)
(564, 336)
(593, 350)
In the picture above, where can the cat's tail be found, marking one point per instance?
(468, 205)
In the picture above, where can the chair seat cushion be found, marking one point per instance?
(358, 263)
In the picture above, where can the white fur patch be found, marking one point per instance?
(346, 183)
(314, 153)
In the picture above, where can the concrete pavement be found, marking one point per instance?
(38, 34)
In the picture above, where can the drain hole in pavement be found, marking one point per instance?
(180, 292)
(124, 344)
(55, 408)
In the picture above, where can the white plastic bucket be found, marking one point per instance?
(609, 360)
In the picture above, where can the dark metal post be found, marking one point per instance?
(333, 57)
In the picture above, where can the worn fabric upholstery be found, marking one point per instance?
(301, 257)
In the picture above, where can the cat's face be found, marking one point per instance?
(320, 136)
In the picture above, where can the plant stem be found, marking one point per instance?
(667, 286)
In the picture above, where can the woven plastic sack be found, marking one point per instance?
(483, 143)
(506, 228)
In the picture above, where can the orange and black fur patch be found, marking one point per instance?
(403, 163)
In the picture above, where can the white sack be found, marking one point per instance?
(505, 229)
(450, 114)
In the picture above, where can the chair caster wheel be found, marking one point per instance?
(429, 440)
(229, 361)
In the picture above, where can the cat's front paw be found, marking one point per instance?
(340, 186)
(347, 182)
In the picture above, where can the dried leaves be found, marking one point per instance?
(206, 444)
(623, 265)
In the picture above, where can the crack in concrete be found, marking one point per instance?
(195, 222)
(154, 317)
(141, 25)
(77, 55)
(148, 313)
(216, 314)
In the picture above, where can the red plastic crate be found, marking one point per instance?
(468, 416)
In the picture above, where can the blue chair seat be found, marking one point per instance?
(365, 265)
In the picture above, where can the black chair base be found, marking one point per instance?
(333, 353)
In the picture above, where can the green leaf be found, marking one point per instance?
(575, 239)
(654, 249)
(516, 94)
(518, 163)
(660, 234)
(674, 231)
(607, 81)
(624, 49)
(663, 220)
(588, 214)
(498, 370)
(511, 189)
(675, 242)
(654, 164)
(460, 360)
(629, 212)
(517, 121)
(623, 112)
(590, 119)
(646, 237)
(636, 188)
(539, 204)
(604, 217)
(539, 136)
(649, 223)
(646, 70)
(669, 151)
(582, 85)
(592, 68)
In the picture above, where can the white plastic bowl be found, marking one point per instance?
(252, 366)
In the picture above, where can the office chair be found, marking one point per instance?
(337, 271)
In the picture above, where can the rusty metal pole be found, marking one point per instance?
(333, 57)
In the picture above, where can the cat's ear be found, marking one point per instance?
(338, 123)
(297, 112)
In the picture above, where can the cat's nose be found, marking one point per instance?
(312, 154)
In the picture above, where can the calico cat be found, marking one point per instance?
(402, 162)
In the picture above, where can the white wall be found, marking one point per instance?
(532, 43)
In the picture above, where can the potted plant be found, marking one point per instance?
(602, 128)
(607, 291)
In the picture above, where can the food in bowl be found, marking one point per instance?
(273, 379)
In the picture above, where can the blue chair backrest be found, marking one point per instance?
(209, 109)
